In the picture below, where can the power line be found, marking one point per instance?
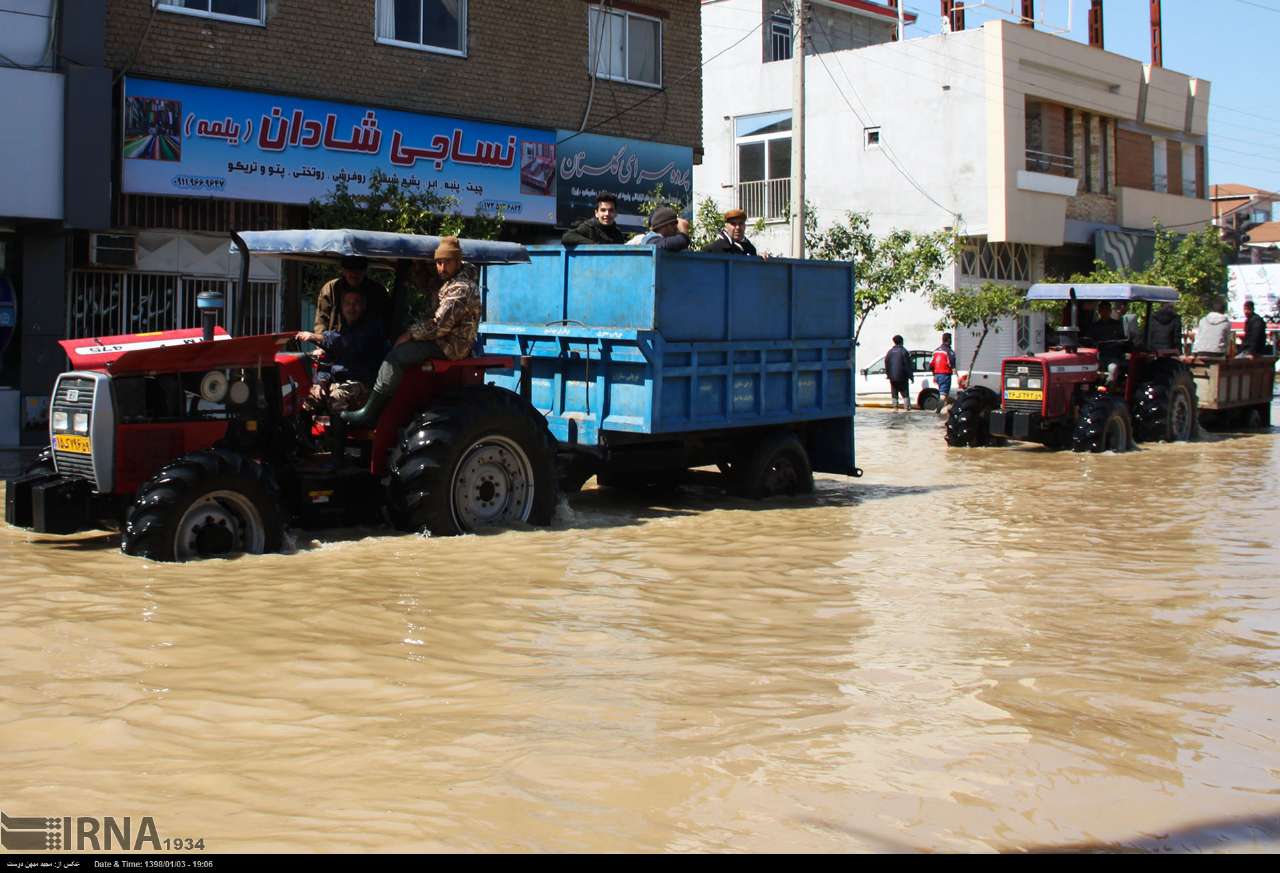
(663, 89)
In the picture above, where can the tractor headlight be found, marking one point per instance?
(1011, 382)
(60, 420)
(81, 422)
(1034, 383)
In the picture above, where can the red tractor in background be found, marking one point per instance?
(1089, 394)
(195, 444)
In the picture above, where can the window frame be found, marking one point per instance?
(260, 21)
(463, 21)
(593, 57)
(775, 22)
(765, 139)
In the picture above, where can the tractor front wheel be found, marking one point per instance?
(209, 504)
(1103, 425)
(969, 422)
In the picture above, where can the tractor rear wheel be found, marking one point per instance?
(479, 458)
(209, 504)
(968, 423)
(1165, 407)
(1103, 426)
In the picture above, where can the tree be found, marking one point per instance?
(984, 307)
(886, 268)
(1195, 264)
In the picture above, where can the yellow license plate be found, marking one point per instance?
(1023, 395)
(69, 443)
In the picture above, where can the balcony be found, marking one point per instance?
(1047, 162)
(769, 199)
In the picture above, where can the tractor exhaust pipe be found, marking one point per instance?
(211, 305)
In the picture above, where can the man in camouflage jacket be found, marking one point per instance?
(449, 333)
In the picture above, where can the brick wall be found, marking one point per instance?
(1135, 162)
(1174, 164)
(526, 63)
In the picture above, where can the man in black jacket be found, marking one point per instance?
(897, 366)
(601, 230)
(1255, 331)
(1165, 329)
(733, 236)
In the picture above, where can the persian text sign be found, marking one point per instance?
(194, 141)
(630, 168)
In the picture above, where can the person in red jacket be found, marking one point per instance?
(943, 364)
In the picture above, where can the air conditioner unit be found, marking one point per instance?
(117, 250)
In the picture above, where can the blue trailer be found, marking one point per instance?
(646, 363)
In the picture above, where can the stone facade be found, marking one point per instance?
(1099, 208)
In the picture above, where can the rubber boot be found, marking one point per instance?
(337, 440)
(367, 416)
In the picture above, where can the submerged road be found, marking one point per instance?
(988, 650)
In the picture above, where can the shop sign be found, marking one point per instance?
(195, 141)
(629, 168)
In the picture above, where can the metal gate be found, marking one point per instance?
(104, 303)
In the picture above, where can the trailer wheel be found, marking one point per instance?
(968, 423)
(1166, 405)
(1103, 426)
(208, 504)
(928, 399)
(479, 458)
(778, 464)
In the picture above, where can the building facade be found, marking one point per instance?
(222, 115)
(1045, 153)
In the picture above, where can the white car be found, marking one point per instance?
(872, 383)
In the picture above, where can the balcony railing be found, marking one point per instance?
(769, 199)
(1047, 162)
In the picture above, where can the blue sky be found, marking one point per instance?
(1232, 43)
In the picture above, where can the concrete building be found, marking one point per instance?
(1245, 216)
(1044, 152)
(217, 115)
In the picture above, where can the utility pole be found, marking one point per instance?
(797, 130)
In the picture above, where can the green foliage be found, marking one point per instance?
(983, 307)
(886, 268)
(1195, 264)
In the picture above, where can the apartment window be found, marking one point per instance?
(430, 25)
(1159, 164)
(871, 137)
(777, 38)
(763, 145)
(245, 11)
(1188, 170)
(1000, 261)
(624, 46)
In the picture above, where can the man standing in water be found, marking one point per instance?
(897, 366)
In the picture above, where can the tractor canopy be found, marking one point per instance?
(1101, 291)
(329, 245)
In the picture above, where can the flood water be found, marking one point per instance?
(985, 650)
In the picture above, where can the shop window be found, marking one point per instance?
(429, 25)
(245, 11)
(624, 46)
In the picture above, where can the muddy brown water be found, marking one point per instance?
(964, 650)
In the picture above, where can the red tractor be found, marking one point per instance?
(1095, 391)
(195, 444)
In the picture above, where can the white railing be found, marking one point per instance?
(769, 199)
(102, 303)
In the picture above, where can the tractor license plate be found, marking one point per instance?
(65, 442)
(1023, 395)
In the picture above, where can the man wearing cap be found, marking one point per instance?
(449, 333)
(666, 230)
(353, 278)
(733, 236)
